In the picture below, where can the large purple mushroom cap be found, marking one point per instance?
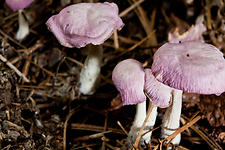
(128, 76)
(160, 94)
(83, 23)
(18, 4)
(193, 66)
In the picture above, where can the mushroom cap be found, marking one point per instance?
(128, 76)
(83, 23)
(159, 93)
(193, 66)
(18, 4)
(193, 34)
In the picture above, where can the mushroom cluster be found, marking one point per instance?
(131, 80)
(186, 64)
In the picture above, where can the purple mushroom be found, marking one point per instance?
(159, 93)
(190, 66)
(129, 77)
(193, 34)
(188, 61)
(19, 5)
(86, 23)
(131, 80)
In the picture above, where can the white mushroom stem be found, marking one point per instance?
(171, 118)
(23, 30)
(138, 121)
(90, 73)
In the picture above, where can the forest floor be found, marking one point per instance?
(48, 112)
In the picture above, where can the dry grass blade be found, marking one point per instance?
(92, 136)
(211, 142)
(14, 125)
(71, 113)
(10, 16)
(195, 114)
(85, 146)
(156, 147)
(115, 108)
(126, 11)
(182, 148)
(151, 106)
(11, 39)
(31, 87)
(151, 130)
(142, 41)
(165, 16)
(127, 40)
(189, 124)
(112, 46)
(147, 24)
(118, 122)
(208, 15)
(27, 52)
(88, 127)
(27, 66)
(116, 41)
(105, 129)
(43, 69)
(14, 68)
(137, 44)
(110, 146)
(75, 61)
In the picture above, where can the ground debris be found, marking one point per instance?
(213, 107)
(48, 112)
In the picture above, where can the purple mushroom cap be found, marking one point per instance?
(159, 93)
(193, 66)
(193, 34)
(83, 23)
(128, 76)
(18, 4)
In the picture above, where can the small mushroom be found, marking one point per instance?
(86, 23)
(129, 77)
(193, 34)
(131, 80)
(19, 5)
(160, 94)
(190, 66)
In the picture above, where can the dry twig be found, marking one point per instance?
(88, 127)
(12, 39)
(134, 5)
(211, 142)
(181, 129)
(14, 68)
(71, 113)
